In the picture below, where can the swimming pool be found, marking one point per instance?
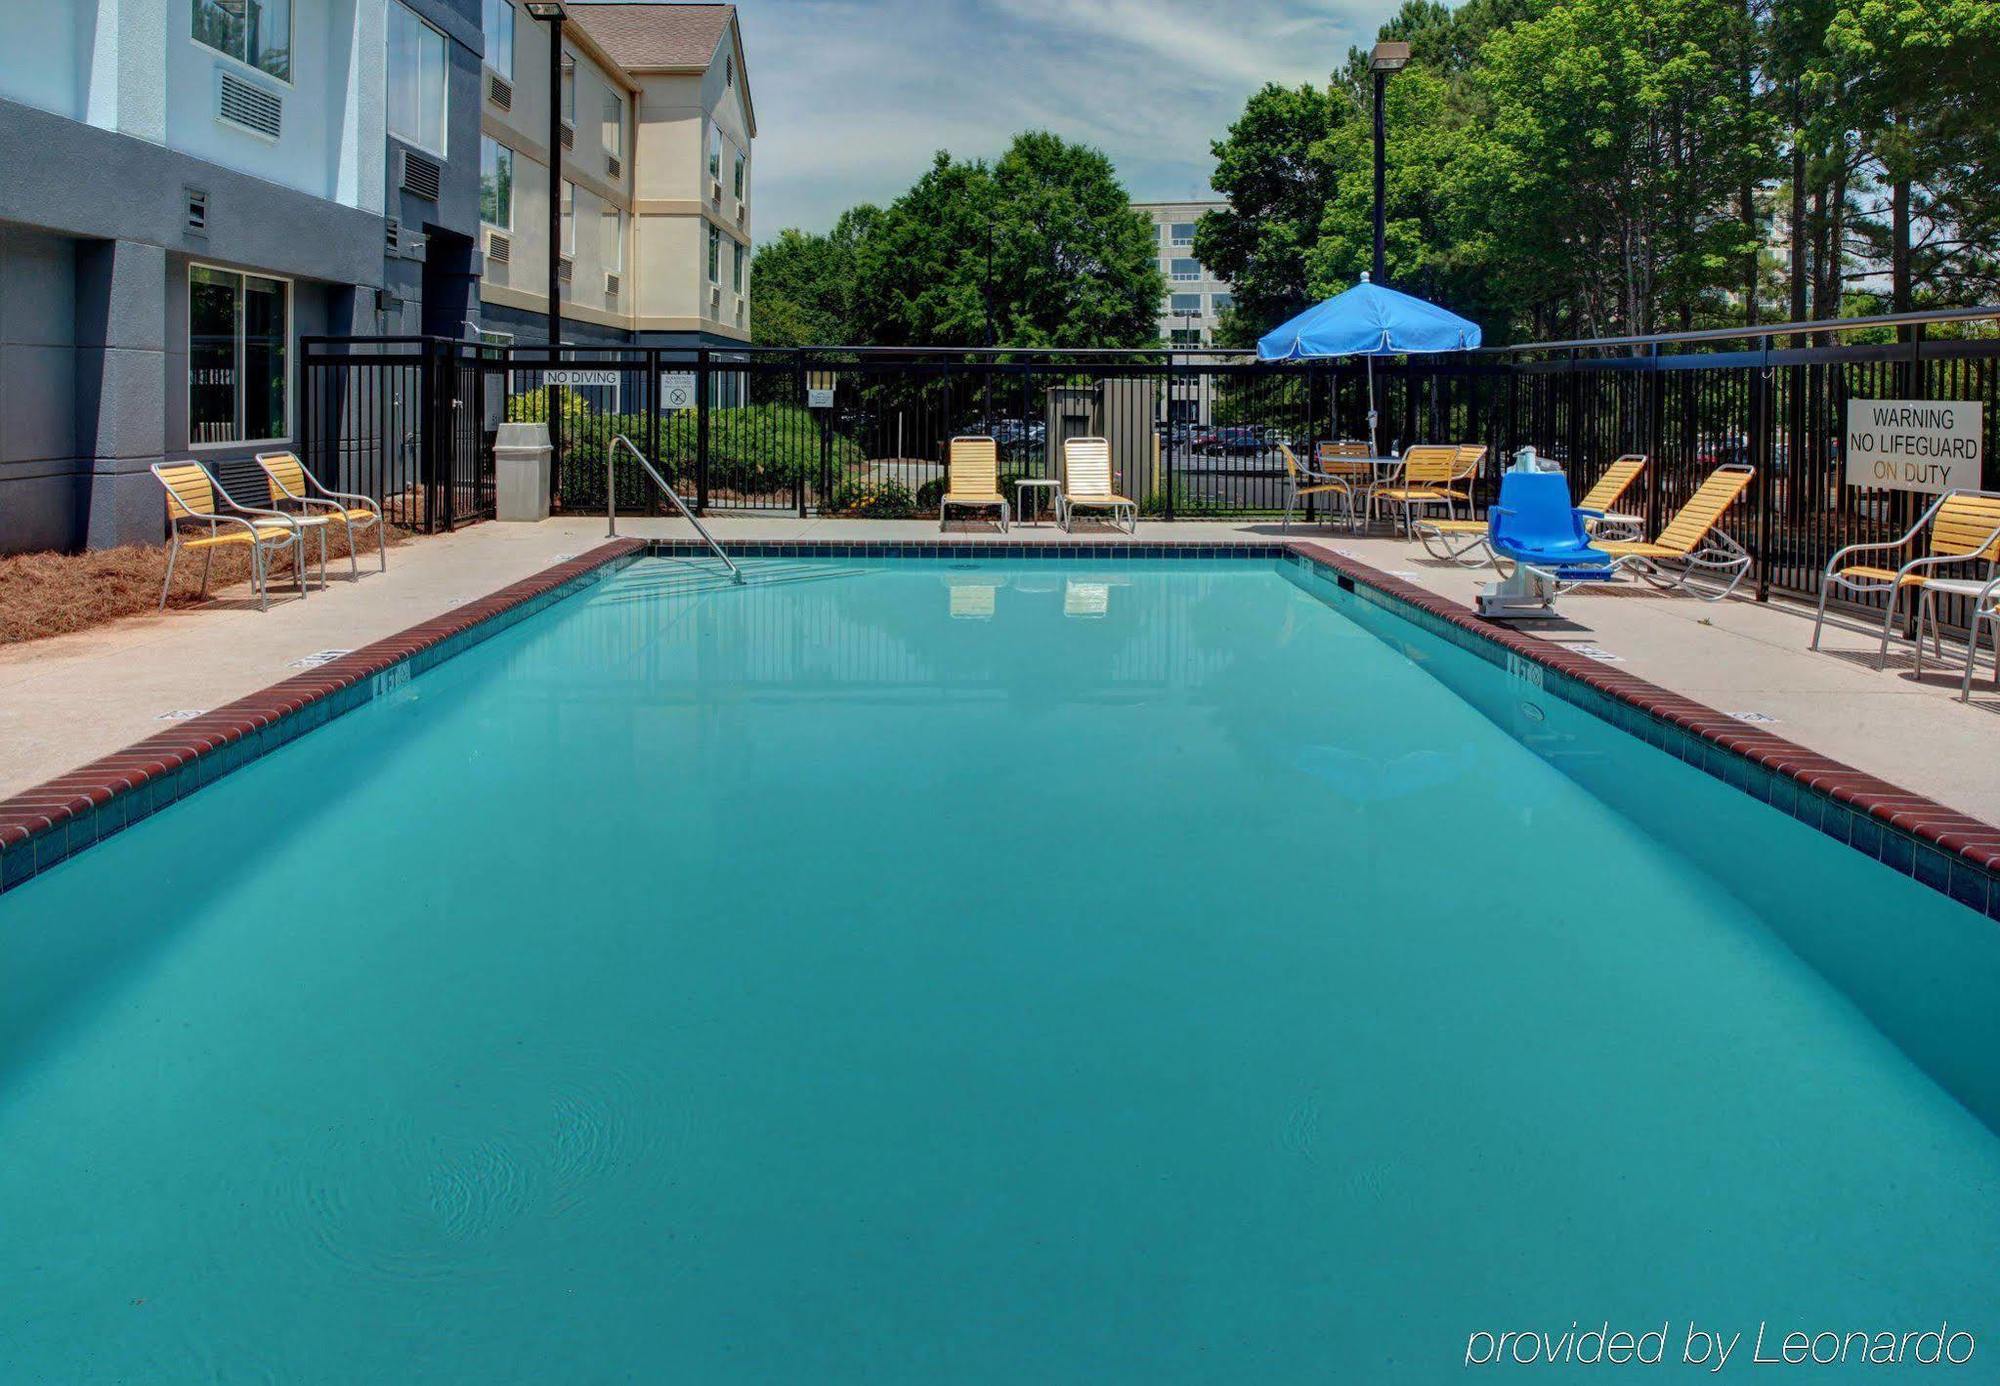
(975, 971)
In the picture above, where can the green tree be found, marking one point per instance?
(1041, 249)
(802, 285)
(1073, 264)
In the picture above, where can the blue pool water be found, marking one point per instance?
(975, 973)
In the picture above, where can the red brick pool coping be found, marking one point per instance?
(64, 815)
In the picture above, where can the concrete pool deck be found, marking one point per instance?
(74, 698)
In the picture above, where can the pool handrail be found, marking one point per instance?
(611, 500)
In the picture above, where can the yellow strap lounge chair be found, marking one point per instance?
(1694, 540)
(1964, 529)
(1464, 541)
(192, 509)
(973, 480)
(1087, 484)
(293, 487)
(1428, 477)
(1300, 483)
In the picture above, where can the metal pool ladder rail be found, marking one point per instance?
(611, 499)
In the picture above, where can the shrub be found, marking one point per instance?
(1187, 505)
(860, 499)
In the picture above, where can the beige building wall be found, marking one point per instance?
(642, 198)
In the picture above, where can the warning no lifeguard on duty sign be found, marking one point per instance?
(1914, 444)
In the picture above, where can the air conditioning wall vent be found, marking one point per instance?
(500, 92)
(420, 177)
(394, 236)
(611, 286)
(499, 248)
(613, 167)
(568, 136)
(248, 106)
(197, 211)
(565, 269)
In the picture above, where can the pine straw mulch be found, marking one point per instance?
(45, 594)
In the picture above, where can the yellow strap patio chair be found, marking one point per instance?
(293, 487)
(1087, 484)
(200, 515)
(1303, 484)
(1426, 478)
(1694, 540)
(973, 477)
(1963, 529)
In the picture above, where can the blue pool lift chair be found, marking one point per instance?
(1548, 539)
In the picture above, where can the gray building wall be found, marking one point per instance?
(93, 315)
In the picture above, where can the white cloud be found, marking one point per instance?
(853, 96)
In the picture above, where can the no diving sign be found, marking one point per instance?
(676, 390)
(1915, 444)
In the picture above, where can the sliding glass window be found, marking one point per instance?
(239, 354)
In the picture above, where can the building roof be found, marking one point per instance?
(656, 38)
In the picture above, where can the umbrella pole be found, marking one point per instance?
(1374, 434)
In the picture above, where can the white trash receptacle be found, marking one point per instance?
(522, 455)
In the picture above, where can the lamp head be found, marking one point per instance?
(546, 9)
(1387, 57)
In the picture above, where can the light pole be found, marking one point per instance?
(552, 13)
(1387, 58)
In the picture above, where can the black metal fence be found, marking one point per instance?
(864, 432)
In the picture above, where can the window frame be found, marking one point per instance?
(738, 263)
(495, 6)
(1174, 306)
(499, 147)
(742, 174)
(292, 15)
(715, 142)
(567, 220)
(714, 255)
(1177, 276)
(239, 342)
(1174, 237)
(611, 212)
(444, 86)
(613, 149)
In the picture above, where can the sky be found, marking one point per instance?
(854, 96)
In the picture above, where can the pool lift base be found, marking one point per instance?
(1528, 593)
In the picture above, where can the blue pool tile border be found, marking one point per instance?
(1940, 848)
(52, 822)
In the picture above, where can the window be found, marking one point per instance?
(257, 33)
(496, 183)
(614, 125)
(496, 21)
(1184, 269)
(569, 218)
(1186, 337)
(569, 91)
(611, 238)
(739, 177)
(737, 277)
(729, 70)
(1184, 303)
(239, 339)
(714, 256)
(1182, 233)
(416, 81)
(715, 152)
(1219, 304)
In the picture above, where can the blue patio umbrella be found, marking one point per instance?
(1369, 321)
